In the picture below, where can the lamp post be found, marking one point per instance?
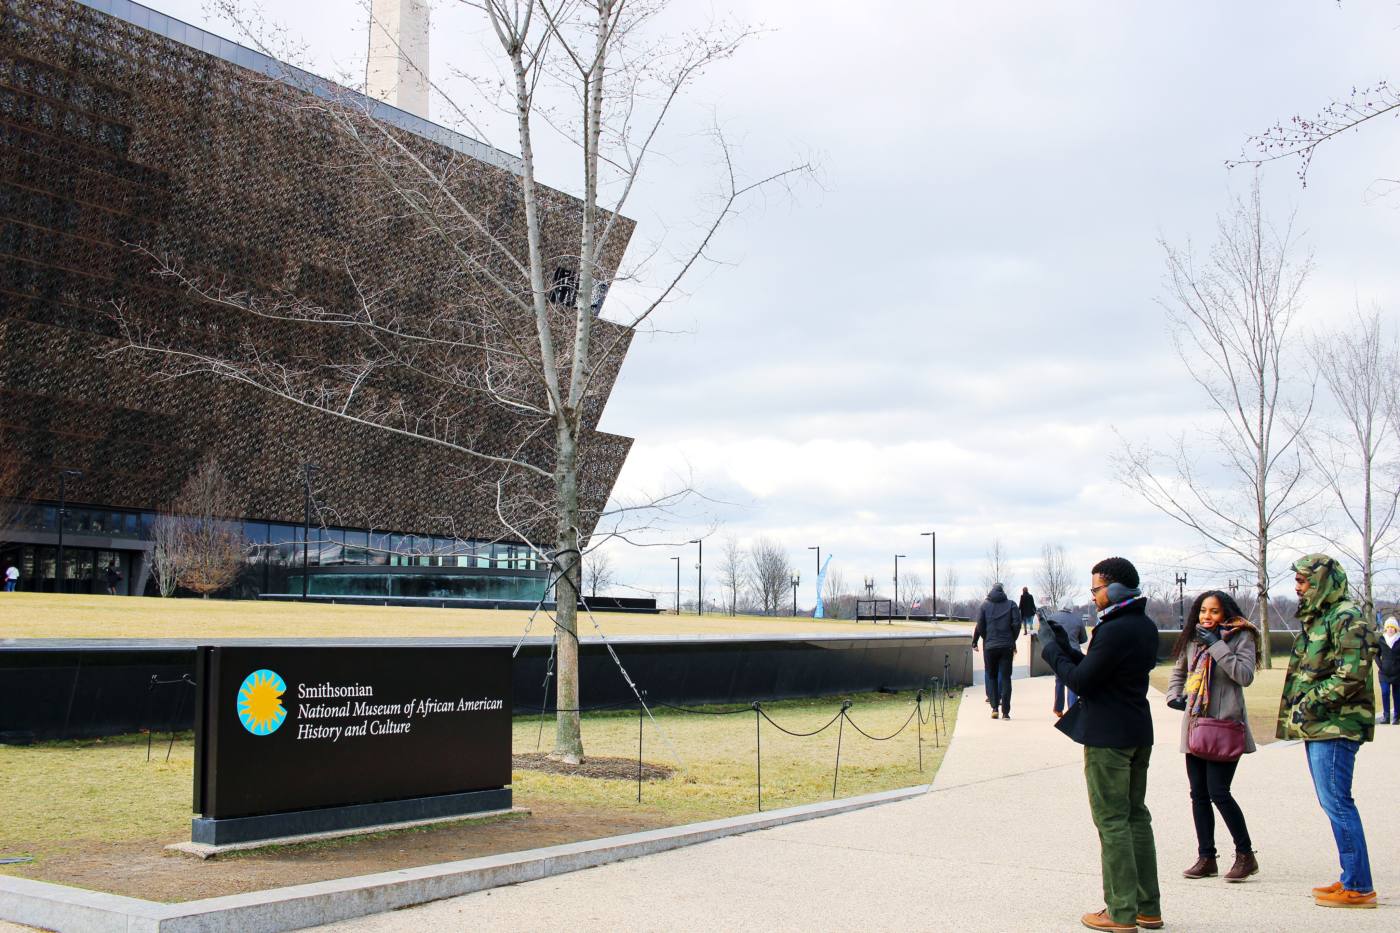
(869, 588)
(1234, 587)
(699, 579)
(933, 567)
(796, 579)
(678, 584)
(1181, 599)
(895, 608)
(308, 470)
(63, 477)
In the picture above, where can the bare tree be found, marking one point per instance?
(835, 586)
(1053, 577)
(770, 574)
(516, 326)
(731, 571)
(1356, 457)
(950, 588)
(994, 570)
(167, 541)
(911, 590)
(597, 571)
(1230, 320)
(209, 549)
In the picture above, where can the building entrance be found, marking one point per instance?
(86, 570)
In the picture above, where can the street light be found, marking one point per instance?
(699, 579)
(1181, 599)
(796, 579)
(933, 567)
(678, 584)
(63, 477)
(308, 470)
(896, 581)
(1234, 586)
(869, 588)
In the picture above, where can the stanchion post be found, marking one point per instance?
(919, 715)
(758, 753)
(640, 720)
(840, 730)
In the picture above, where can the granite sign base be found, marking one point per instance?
(362, 816)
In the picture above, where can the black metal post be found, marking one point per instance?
(59, 569)
(840, 731)
(700, 579)
(758, 753)
(678, 584)
(796, 579)
(817, 580)
(1181, 599)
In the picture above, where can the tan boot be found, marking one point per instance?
(1345, 898)
(1150, 923)
(1102, 921)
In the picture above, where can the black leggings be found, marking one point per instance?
(1210, 784)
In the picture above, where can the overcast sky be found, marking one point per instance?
(946, 330)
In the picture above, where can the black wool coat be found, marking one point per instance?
(1111, 680)
(1390, 662)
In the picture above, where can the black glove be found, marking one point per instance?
(1206, 636)
(1177, 702)
(1057, 632)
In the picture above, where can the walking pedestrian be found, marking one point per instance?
(113, 578)
(11, 577)
(1327, 702)
(1215, 657)
(1073, 624)
(1027, 607)
(998, 625)
(1113, 722)
(1390, 672)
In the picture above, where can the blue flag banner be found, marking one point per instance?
(820, 611)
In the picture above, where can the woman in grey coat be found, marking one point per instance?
(1215, 659)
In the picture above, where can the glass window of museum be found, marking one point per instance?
(343, 560)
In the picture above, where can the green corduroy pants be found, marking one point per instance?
(1117, 780)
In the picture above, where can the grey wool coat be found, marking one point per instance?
(1234, 670)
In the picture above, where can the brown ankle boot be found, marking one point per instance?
(1245, 865)
(1204, 868)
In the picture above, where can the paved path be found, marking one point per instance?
(1003, 842)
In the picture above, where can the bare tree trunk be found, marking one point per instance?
(568, 734)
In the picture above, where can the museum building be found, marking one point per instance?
(125, 133)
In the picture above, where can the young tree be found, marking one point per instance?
(731, 571)
(1053, 577)
(994, 571)
(911, 590)
(1231, 318)
(833, 591)
(167, 541)
(597, 571)
(515, 333)
(1356, 456)
(770, 574)
(210, 550)
(950, 588)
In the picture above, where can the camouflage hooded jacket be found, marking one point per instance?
(1328, 694)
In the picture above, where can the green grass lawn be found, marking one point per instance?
(59, 794)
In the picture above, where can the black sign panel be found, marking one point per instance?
(284, 729)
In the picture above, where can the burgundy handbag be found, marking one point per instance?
(1215, 739)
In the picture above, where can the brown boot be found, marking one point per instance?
(1150, 923)
(1245, 865)
(1204, 868)
(1102, 921)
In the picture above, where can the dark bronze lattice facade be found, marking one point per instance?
(114, 136)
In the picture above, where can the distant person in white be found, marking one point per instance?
(11, 578)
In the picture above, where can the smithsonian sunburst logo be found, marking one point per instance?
(260, 702)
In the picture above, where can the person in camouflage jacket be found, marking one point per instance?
(1328, 703)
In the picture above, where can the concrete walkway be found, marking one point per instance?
(1003, 842)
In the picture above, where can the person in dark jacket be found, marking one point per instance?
(1027, 607)
(1113, 722)
(998, 625)
(1390, 672)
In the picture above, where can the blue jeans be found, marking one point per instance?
(1331, 764)
(1060, 690)
(9, 586)
(1389, 689)
(997, 673)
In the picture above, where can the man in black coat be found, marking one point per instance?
(998, 624)
(1114, 724)
(1027, 607)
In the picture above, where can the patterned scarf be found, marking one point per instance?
(1197, 689)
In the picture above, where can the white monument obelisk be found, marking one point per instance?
(397, 72)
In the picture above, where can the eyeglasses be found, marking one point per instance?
(1095, 589)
